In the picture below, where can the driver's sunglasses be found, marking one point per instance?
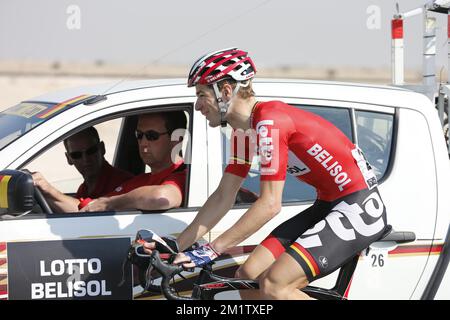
(75, 155)
(151, 135)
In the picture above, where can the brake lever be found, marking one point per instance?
(148, 277)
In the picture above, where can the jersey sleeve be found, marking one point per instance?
(177, 179)
(273, 128)
(242, 149)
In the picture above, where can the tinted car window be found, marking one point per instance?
(338, 116)
(375, 138)
(53, 162)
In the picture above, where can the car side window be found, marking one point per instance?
(294, 189)
(375, 138)
(53, 163)
(340, 117)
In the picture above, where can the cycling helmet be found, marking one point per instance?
(219, 65)
(216, 66)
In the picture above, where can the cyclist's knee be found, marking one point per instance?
(243, 273)
(239, 273)
(271, 289)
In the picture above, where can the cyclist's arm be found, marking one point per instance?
(212, 211)
(264, 209)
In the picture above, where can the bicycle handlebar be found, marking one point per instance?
(167, 271)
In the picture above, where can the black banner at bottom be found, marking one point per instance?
(69, 269)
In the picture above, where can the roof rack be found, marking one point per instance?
(437, 93)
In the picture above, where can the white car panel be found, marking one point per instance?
(415, 188)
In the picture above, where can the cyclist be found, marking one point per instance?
(347, 216)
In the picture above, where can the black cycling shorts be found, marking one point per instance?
(326, 235)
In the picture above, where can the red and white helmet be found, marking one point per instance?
(218, 65)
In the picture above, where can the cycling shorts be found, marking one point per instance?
(328, 234)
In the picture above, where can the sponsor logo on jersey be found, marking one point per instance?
(296, 167)
(323, 262)
(348, 222)
(365, 168)
(268, 155)
(335, 169)
(265, 143)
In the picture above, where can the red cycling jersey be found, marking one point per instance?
(306, 146)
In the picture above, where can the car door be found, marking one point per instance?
(40, 253)
(391, 271)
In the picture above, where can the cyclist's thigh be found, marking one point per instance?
(258, 261)
(286, 233)
(354, 222)
(285, 272)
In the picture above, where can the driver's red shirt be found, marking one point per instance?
(110, 178)
(306, 146)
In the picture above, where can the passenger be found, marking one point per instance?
(86, 152)
(162, 188)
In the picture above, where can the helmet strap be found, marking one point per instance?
(223, 106)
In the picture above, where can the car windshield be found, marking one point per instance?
(18, 120)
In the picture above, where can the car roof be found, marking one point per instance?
(105, 89)
(295, 88)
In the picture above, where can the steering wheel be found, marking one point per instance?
(40, 200)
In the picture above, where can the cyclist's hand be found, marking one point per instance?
(197, 257)
(170, 245)
(148, 247)
(184, 260)
(151, 241)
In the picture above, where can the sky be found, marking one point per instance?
(277, 33)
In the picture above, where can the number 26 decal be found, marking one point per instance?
(377, 260)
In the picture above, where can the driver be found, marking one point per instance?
(86, 152)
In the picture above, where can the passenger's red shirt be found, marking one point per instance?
(174, 175)
(306, 146)
(110, 178)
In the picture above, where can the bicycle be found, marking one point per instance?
(208, 284)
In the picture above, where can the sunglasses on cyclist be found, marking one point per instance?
(151, 135)
(75, 155)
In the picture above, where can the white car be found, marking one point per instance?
(80, 255)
